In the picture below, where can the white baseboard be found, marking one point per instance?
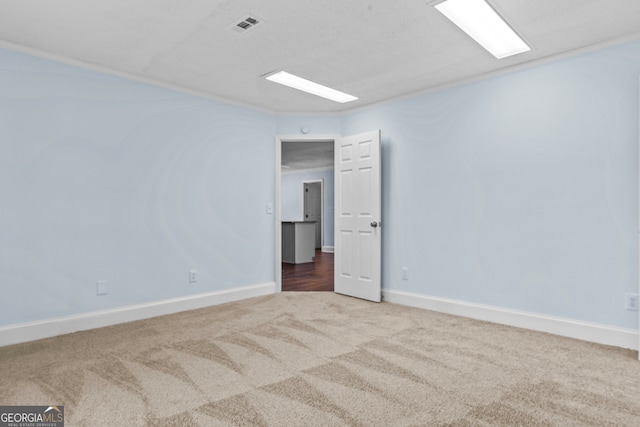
(328, 249)
(586, 331)
(31, 331)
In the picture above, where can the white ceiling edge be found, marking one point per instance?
(21, 49)
(17, 48)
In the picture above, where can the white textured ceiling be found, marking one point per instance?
(374, 49)
(305, 155)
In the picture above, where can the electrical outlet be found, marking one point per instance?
(101, 288)
(193, 276)
(404, 273)
(631, 301)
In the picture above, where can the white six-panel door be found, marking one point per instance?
(358, 237)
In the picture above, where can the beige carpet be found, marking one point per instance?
(320, 359)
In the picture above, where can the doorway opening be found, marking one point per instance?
(303, 162)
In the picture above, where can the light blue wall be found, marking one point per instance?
(107, 179)
(519, 191)
(292, 198)
(329, 124)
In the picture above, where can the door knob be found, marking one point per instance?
(374, 224)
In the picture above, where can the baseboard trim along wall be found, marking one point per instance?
(31, 331)
(328, 249)
(586, 331)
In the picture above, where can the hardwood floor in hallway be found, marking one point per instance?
(310, 276)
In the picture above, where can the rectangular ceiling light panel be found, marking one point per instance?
(484, 25)
(308, 86)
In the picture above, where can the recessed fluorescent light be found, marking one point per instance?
(484, 25)
(308, 86)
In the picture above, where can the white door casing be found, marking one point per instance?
(276, 208)
(358, 237)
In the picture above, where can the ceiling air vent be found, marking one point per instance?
(246, 24)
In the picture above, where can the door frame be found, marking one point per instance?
(278, 177)
(321, 182)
